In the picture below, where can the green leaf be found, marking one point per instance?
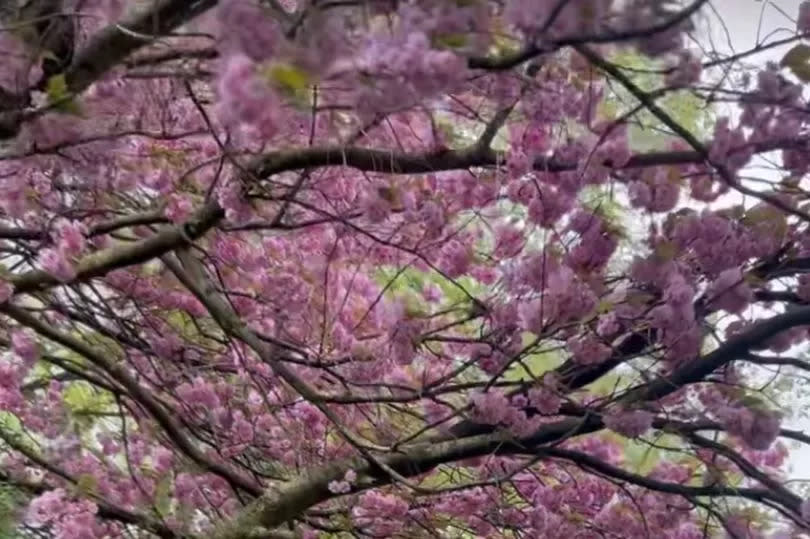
(57, 88)
(11, 505)
(289, 80)
(10, 423)
(450, 41)
(163, 497)
(666, 251)
(86, 484)
(646, 132)
(59, 95)
(640, 457)
(533, 366)
(83, 397)
(797, 60)
(607, 384)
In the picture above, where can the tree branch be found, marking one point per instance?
(601, 467)
(104, 261)
(649, 103)
(364, 159)
(138, 393)
(111, 45)
(531, 50)
(736, 347)
(273, 509)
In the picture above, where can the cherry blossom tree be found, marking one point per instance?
(380, 268)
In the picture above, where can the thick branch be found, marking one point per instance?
(391, 162)
(104, 261)
(601, 467)
(282, 505)
(113, 44)
(364, 159)
(137, 219)
(737, 347)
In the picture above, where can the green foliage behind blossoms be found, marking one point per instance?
(646, 132)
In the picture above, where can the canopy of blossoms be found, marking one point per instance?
(400, 269)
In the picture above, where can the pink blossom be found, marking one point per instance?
(345, 485)
(70, 237)
(705, 188)
(588, 350)
(490, 360)
(784, 340)
(607, 325)
(728, 146)
(379, 513)
(178, 208)
(569, 297)
(758, 428)
(739, 527)
(491, 407)
(339, 487)
(244, 98)
(24, 345)
(594, 250)
(545, 401)
(9, 376)
(47, 506)
(68, 519)
(508, 241)
(351, 189)
(311, 418)
(520, 192)
(584, 222)
(548, 206)
(199, 393)
(630, 423)
(432, 217)
(56, 263)
(108, 445)
(404, 340)
(248, 29)
(730, 291)
(377, 205)
(242, 429)
(229, 196)
(657, 192)
(185, 488)
(530, 313)
(640, 194)
(456, 258)
(432, 293)
(518, 163)
(678, 291)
